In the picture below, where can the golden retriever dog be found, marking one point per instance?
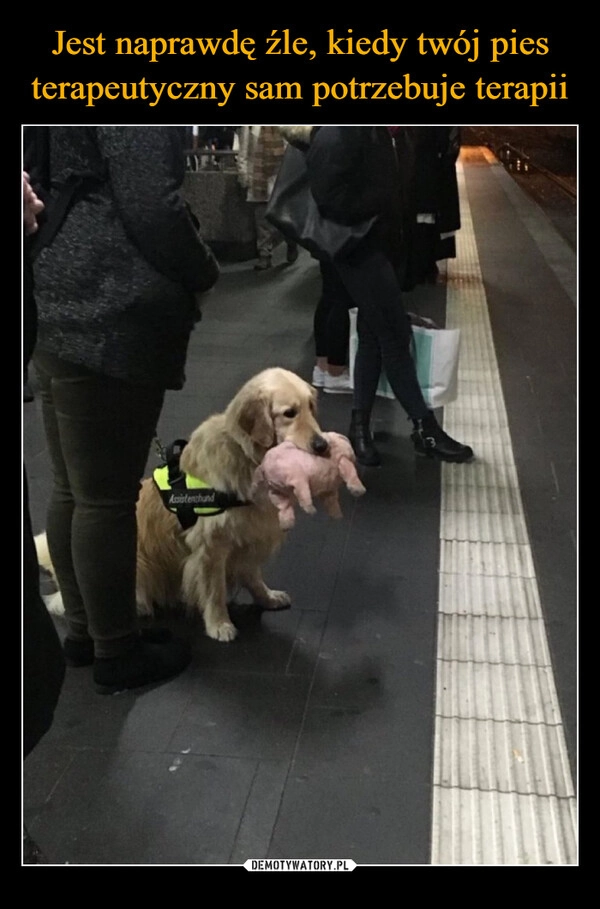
(198, 566)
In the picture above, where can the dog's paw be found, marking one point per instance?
(222, 631)
(278, 599)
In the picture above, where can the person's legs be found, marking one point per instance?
(375, 287)
(367, 367)
(99, 432)
(321, 327)
(383, 333)
(373, 284)
(60, 509)
(265, 236)
(332, 333)
(320, 319)
(336, 323)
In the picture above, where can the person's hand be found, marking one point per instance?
(421, 321)
(32, 206)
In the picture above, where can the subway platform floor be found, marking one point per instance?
(417, 705)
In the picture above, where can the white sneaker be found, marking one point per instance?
(338, 385)
(318, 377)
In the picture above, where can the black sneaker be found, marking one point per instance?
(431, 441)
(145, 664)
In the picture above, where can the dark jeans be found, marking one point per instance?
(99, 430)
(43, 659)
(384, 333)
(331, 322)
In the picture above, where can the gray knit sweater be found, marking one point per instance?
(115, 290)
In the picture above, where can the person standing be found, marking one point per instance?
(116, 293)
(428, 155)
(354, 175)
(260, 152)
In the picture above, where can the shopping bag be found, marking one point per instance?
(293, 211)
(436, 354)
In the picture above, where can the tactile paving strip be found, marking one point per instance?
(503, 793)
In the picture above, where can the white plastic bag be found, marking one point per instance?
(436, 353)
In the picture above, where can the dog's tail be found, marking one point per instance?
(43, 554)
(53, 601)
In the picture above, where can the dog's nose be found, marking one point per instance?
(319, 445)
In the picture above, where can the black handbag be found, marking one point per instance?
(211, 264)
(294, 212)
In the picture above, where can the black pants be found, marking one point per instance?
(43, 660)
(331, 322)
(384, 332)
(99, 430)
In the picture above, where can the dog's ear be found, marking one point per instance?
(255, 419)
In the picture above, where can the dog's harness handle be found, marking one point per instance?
(188, 497)
(172, 458)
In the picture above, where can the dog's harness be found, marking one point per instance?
(186, 496)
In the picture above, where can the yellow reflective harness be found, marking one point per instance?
(187, 496)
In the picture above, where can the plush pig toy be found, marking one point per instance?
(292, 475)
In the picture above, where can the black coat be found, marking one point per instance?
(115, 290)
(354, 174)
(434, 186)
(427, 155)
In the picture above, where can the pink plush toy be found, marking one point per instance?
(291, 474)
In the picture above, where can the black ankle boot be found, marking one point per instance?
(431, 441)
(362, 440)
(144, 664)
